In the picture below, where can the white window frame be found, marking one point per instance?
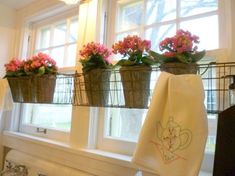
(33, 26)
(51, 21)
(127, 147)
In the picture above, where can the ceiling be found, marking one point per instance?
(16, 4)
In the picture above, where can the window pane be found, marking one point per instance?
(124, 123)
(59, 34)
(43, 51)
(71, 56)
(158, 34)
(44, 38)
(130, 15)
(52, 116)
(207, 29)
(123, 35)
(212, 128)
(159, 11)
(73, 31)
(58, 55)
(194, 7)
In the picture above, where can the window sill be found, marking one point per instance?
(88, 160)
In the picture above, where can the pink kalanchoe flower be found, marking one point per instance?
(182, 42)
(93, 49)
(14, 65)
(130, 45)
(169, 54)
(32, 65)
(182, 47)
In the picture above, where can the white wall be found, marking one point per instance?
(28, 15)
(7, 36)
(232, 59)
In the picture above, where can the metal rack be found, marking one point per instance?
(216, 80)
(72, 88)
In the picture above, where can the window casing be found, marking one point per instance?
(56, 36)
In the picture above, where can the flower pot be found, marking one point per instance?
(14, 83)
(97, 86)
(26, 88)
(179, 68)
(44, 87)
(136, 85)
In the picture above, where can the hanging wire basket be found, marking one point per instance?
(109, 91)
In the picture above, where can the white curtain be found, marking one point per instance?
(5, 110)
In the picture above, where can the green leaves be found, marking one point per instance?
(197, 56)
(186, 57)
(14, 74)
(93, 62)
(136, 59)
(147, 60)
(183, 58)
(159, 58)
(41, 71)
(124, 62)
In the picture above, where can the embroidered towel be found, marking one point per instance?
(173, 137)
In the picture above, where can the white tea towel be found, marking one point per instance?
(173, 137)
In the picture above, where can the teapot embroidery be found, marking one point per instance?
(171, 139)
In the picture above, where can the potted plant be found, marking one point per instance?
(32, 80)
(41, 70)
(135, 70)
(14, 70)
(179, 53)
(96, 63)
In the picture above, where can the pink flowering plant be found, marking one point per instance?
(14, 68)
(40, 64)
(180, 48)
(95, 55)
(135, 50)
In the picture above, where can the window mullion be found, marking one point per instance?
(68, 23)
(142, 31)
(31, 42)
(57, 46)
(178, 8)
(51, 37)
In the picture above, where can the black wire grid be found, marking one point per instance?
(77, 90)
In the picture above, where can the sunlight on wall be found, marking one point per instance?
(7, 33)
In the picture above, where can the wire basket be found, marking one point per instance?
(76, 90)
(215, 80)
(49, 89)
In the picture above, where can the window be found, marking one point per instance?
(156, 20)
(56, 36)
(59, 40)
